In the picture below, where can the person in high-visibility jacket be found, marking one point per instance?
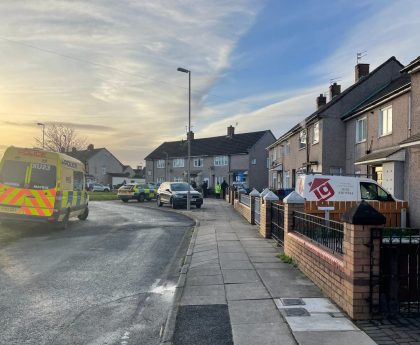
(217, 190)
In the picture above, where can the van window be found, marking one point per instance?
(43, 176)
(77, 181)
(371, 191)
(13, 173)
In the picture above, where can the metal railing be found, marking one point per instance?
(277, 223)
(257, 210)
(328, 233)
(245, 199)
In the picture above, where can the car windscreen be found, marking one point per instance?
(13, 173)
(371, 191)
(180, 187)
(43, 176)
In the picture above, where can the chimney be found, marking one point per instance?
(230, 131)
(190, 135)
(335, 90)
(361, 70)
(321, 100)
(90, 147)
(73, 149)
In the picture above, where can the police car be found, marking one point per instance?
(135, 191)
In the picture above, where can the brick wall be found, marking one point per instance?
(244, 210)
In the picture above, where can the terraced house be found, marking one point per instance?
(318, 143)
(232, 157)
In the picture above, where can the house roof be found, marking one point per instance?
(323, 108)
(84, 155)
(403, 82)
(413, 64)
(221, 145)
(412, 139)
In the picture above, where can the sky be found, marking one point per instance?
(109, 67)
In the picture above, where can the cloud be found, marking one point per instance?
(83, 126)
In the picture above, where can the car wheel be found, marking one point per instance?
(64, 224)
(124, 200)
(198, 205)
(159, 203)
(140, 198)
(85, 214)
(173, 204)
(106, 190)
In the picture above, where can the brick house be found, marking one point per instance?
(383, 137)
(232, 157)
(318, 143)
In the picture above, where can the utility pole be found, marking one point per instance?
(43, 133)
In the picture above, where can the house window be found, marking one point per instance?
(385, 121)
(178, 163)
(254, 161)
(161, 163)
(219, 179)
(275, 154)
(286, 180)
(286, 148)
(178, 179)
(361, 130)
(103, 170)
(268, 163)
(220, 160)
(315, 133)
(274, 181)
(302, 139)
(198, 162)
(160, 180)
(336, 170)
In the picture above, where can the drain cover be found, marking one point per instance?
(295, 312)
(292, 301)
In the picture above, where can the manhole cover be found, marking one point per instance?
(292, 301)
(296, 312)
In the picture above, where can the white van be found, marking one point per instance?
(340, 188)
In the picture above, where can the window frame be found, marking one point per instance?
(221, 161)
(160, 163)
(363, 119)
(315, 139)
(301, 143)
(200, 160)
(382, 111)
(176, 161)
(253, 161)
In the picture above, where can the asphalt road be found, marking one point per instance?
(109, 280)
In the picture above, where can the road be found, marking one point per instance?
(109, 280)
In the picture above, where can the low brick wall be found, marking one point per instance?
(244, 210)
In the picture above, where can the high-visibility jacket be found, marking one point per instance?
(218, 189)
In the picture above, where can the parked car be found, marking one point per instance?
(175, 194)
(135, 191)
(97, 187)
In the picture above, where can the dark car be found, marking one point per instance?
(175, 194)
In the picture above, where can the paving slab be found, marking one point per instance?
(240, 276)
(197, 263)
(319, 322)
(333, 338)
(246, 291)
(231, 249)
(202, 300)
(262, 334)
(253, 311)
(312, 305)
(204, 290)
(205, 271)
(233, 256)
(236, 265)
(262, 259)
(205, 280)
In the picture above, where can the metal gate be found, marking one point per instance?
(257, 211)
(399, 268)
(277, 223)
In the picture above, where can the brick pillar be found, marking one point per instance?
(360, 259)
(293, 202)
(265, 218)
(252, 210)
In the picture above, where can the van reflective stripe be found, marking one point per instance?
(6, 194)
(17, 195)
(69, 198)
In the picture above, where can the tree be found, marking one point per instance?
(60, 137)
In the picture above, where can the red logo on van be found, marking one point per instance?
(321, 188)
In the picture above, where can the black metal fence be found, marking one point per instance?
(399, 268)
(277, 222)
(245, 199)
(257, 210)
(328, 233)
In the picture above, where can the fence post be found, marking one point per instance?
(361, 260)
(253, 194)
(292, 202)
(265, 213)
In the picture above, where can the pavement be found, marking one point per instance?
(233, 289)
(109, 280)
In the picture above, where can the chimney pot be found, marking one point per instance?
(73, 149)
(90, 147)
(335, 90)
(361, 70)
(230, 131)
(321, 100)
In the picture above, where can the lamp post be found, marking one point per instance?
(183, 70)
(43, 133)
(166, 165)
(65, 143)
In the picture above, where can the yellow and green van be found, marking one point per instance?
(42, 186)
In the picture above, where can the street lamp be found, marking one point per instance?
(43, 133)
(183, 70)
(65, 143)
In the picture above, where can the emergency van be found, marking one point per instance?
(134, 191)
(42, 186)
(340, 188)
